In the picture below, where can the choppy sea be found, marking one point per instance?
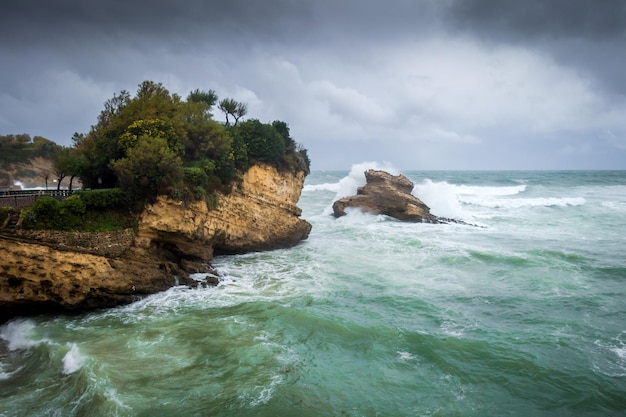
(522, 316)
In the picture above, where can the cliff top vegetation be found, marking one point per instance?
(157, 143)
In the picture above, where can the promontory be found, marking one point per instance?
(163, 187)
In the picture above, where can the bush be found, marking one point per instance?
(46, 207)
(74, 205)
(195, 176)
(104, 199)
(105, 221)
(42, 215)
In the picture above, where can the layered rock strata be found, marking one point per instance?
(54, 271)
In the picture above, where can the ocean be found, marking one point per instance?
(523, 314)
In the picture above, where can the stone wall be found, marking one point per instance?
(109, 244)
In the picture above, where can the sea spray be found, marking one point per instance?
(73, 359)
(442, 199)
(18, 334)
(349, 184)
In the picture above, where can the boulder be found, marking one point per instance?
(387, 194)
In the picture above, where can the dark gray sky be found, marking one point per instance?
(422, 84)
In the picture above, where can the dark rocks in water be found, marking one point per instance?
(389, 195)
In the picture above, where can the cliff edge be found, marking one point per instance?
(48, 271)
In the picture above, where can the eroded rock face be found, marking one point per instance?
(53, 271)
(36, 278)
(260, 213)
(389, 195)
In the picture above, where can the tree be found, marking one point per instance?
(101, 146)
(61, 163)
(68, 162)
(21, 148)
(209, 98)
(149, 168)
(240, 111)
(231, 107)
(45, 147)
(155, 128)
(261, 141)
(283, 129)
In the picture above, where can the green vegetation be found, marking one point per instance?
(21, 148)
(156, 143)
(150, 144)
(84, 211)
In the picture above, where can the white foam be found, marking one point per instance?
(73, 360)
(405, 356)
(442, 198)
(327, 186)
(456, 201)
(6, 375)
(22, 187)
(17, 334)
(620, 352)
(111, 394)
(614, 205)
(265, 393)
(515, 203)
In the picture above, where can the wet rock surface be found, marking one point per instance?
(389, 195)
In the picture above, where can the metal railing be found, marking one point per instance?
(24, 198)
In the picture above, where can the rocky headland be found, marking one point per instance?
(49, 271)
(391, 196)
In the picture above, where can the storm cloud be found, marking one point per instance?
(472, 84)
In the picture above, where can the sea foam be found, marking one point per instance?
(17, 334)
(449, 200)
(348, 185)
(73, 360)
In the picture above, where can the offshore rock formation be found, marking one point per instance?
(389, 195)
(48, 271)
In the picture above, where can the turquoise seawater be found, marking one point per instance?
(522, 316)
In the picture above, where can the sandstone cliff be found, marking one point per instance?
(54, 271)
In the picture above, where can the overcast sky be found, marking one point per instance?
(421, 84)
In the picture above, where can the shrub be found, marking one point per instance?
(104, 199)
(42, 215)
(195, 176)
(46, 207)
(73, 205)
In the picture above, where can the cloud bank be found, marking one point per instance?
(473, 84)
